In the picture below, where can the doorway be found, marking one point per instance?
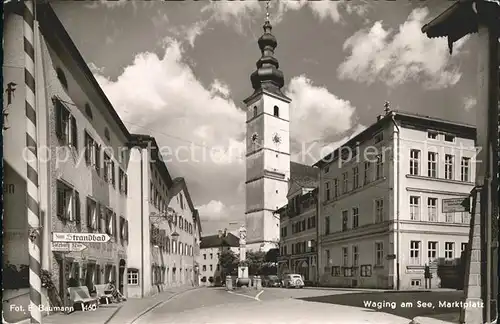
(121, 273)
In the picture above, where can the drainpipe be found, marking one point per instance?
(397, 200)
(142, 224)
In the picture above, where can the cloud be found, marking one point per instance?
(316, 116)
(218, 87)
(398, 57)
(215, 215)
(199, 131)
(232, 12)
(109, 4)
(469, 102)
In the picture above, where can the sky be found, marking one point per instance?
(180, 70)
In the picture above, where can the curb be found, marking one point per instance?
(113, 315)
(149, 309)
(427, 320)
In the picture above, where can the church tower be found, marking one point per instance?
(268, 148)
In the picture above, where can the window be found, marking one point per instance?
(68, 203)
(432, 164)
(327, 225)
(336, 188)
(204, 256)
(414, 208)
(62, 78)
(465, 217)
(355, 256)
(355, 217)
(345, 256)
(211, 256)
(211, 267)
(327, 190)
(133, 277)
(432, 135)
(379, 210)
(90, 156)
(449, 138)
(255, 111)
(366, 270)
(432, 248)
(204, 268)
(345, 220)
(91, 214)
(345, 183)
(276, 111)
(336, 271)
(355, 177)
(379, 253)
(327, 254)
(449, 250)
(463, 246)
(432, 209)
(450, 217)
(464, 169)
(414, 162)
(379, 168)
(66, 128)
(379, 138)
(107, 168)
(416, 282)
(367, 178)
(123, 183)
(415, 252)
(448, 167)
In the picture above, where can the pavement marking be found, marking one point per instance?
(243, 295)
(257, 296)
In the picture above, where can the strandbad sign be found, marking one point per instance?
(81, 237)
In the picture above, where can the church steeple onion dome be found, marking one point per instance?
(267, 76)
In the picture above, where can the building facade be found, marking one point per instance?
(94, 177)
(383, 218)
(298, 249)
(268, 149)
(211, 248)
(162, 253)
(82, 176)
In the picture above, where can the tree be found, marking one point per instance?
(256, 260)
(228, 262)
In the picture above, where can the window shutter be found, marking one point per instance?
(113, 179)
(97, 158)
(74, 133)
(60, 203)
(89, 214)
(59, 121)
(100, 213)
(78, 216)
(88, 147)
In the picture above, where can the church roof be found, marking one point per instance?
(305, 176)
(212, 241)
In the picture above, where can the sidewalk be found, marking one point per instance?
(123, 313)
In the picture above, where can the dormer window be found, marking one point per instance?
(432, 135)
(276, 111)
(449, 138)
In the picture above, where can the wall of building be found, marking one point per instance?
(208, 261)
(69, 169)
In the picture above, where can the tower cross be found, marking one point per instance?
(267, 10)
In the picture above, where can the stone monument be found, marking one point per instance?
(243, 279)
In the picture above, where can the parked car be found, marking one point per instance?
(271, 281)
(293, 280)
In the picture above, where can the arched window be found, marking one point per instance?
(62, 78)
(255, 111)
(276, 111)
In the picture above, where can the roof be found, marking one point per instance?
(460, 19)
(405, 119)
(212, 241)
(56, 35)
(304, 175)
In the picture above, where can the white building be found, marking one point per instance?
(379, 213)
(268, 149)
(164, 247)
(82, 177)
(210, 249)
(298, 219)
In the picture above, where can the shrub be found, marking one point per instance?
(211, 279)
(204, 279)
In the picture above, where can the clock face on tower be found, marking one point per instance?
(254, 137)
(276, 139)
